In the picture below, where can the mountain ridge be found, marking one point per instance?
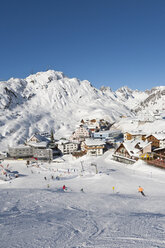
(50, 99)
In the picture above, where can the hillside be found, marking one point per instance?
(52, 100)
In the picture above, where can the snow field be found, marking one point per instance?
(35, 215)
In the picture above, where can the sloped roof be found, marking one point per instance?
(158, 136)
(39, 137)
(42, 144)
(103, 132)
(94, 142)
(159, 149)
(142, 144)
(130, 146)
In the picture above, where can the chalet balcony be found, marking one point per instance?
(157, 163)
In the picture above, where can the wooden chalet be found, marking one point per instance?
(134, 135)
(157, 139)
(159, 158)
(130, 151)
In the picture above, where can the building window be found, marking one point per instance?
(122, 150)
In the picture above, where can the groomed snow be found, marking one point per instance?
(36, 213)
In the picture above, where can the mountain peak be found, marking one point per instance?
(50, 99)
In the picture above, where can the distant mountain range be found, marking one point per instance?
(50, 99)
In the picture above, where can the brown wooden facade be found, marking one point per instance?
(130, 136)
(122, 151)
(155, 142)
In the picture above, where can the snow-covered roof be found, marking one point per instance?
(136, 133)
(65, 141)
(58, 160)
(159, 149)
(21, 146)
(92, 126)
(130, 146)
(38, 144)
(159, 136)
(94, 142)
(142, 143)
(39, 137)
(110, 132)
(104, 132)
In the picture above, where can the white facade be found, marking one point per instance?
(162, 143)
(95, 151)
(80, 133)
(20, 151)
(23, 151)
(67, 147)
(93, 147)
(43, 153)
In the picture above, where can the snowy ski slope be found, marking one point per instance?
(36, 213)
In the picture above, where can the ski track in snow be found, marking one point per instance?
(48, 223)
(48, 217)
(44, 219)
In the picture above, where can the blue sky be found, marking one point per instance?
(108, 42)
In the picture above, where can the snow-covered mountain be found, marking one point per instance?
(154, 102)
(51, 100)
(131, 98)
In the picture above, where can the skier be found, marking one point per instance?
(64, 188)
(140, 190)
